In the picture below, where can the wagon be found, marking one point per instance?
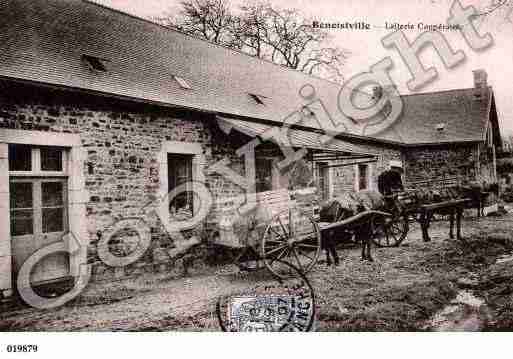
(452, 198)
(285, 229)
(280, 228)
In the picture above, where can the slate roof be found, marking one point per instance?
(464, 114)
(44, 40)
(297, 138)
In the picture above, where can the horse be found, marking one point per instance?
(350, 204)
(472, 191)
(344, 207)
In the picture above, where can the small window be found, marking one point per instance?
(322, 175)
(363, 177)
(264, 169)
(179, 173)
(183, 83)
(259, 99)
(94, 63)
(20, 158)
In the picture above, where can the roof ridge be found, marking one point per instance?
(94, 2)
(442, 91)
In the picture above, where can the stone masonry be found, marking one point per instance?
(122, 142)
(123, 139)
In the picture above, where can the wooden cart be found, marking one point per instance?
(282, 229)
(279, 229)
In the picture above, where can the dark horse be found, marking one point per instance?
(444, 201)
(351, 204)
(345, 207)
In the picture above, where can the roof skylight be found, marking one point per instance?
(95, 63)
(182, 82)
(440, 126)
(259, 99)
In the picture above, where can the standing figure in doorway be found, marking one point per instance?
(390, 181)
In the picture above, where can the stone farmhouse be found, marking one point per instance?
(103, 113)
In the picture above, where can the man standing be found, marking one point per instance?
(390, 181)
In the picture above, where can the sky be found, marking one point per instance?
(366, 48)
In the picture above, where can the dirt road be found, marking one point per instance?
(406, 288)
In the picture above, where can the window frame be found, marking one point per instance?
(271, 182)
(38, 205)
(37, 176)
(369, 180)
(77, 194)
(188, 160)
(36, 170)
(198, 177)
(327, 191)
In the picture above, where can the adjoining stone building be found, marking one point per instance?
(102, 114)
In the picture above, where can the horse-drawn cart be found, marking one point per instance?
(279, 228)
(446, 197)
(287, 228)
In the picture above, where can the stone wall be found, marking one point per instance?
(439, 163)
(344, 177)
(122, 141)
(486, 168)
(448, 162)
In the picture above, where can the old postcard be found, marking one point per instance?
(255, 166)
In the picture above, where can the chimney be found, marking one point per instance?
(480, 77)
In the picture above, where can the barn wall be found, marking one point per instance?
(344, 178)
(466, 163)
(486, 160)
(122, 142)
(440, 162)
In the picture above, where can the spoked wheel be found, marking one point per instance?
(294, 237)
(389, 231)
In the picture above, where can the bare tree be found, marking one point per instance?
(287, 38)
(498, 12)
(282, 36)
(209, 19)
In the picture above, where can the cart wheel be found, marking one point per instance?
(293, 236)
(389, 231)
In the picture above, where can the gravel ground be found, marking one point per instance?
(401, 290)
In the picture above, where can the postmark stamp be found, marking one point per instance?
(270, 313)
(271, 304)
